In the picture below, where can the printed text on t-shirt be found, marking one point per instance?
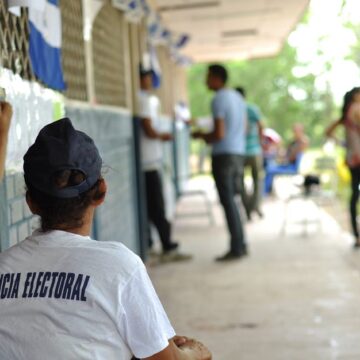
(56, 285)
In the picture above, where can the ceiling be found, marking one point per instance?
(232, 29)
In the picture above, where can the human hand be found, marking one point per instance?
(5, 117)
(166, 137)
(180, 340)
(195, 348)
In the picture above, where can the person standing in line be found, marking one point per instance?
(151, 156)
(5, 119)
(228, 148)
(253, 158)
(350, 121)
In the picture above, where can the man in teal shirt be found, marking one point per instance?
(253, 159)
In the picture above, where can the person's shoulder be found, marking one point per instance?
(143, 95)
(253, 107)
(5, 253)
(254, 111)
(116, 251)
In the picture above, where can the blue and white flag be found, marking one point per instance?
(45, 44)
(16, 5)
(155, 67)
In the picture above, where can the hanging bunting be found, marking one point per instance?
(155, 28)
(120, 4)
(134, 12)
(146, 8)
(181, 41)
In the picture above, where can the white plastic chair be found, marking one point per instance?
(319, 195)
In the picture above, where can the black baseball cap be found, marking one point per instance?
(57, 147)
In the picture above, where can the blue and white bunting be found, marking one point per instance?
(135, 11)
(121, 4)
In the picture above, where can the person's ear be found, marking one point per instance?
(102, 189)
(32, 206)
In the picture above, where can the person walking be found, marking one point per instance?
(350, 121)
(151, 157)
(253, 159)
(228, 148)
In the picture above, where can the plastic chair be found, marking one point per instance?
(273, 170)
(324, 194)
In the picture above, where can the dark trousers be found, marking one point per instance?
(355, 183)
(226, 170)
(252, 201)
(156, 208)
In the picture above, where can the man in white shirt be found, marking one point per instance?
(151, 157)
(65, 296)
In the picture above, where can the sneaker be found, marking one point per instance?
(244, 251)
(172, 246)
(229, 256)
(174, 256)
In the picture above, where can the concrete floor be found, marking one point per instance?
(293, 298)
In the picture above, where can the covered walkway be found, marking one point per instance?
(293, 298)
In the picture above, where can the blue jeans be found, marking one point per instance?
(226, 170)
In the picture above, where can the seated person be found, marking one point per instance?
(5, 118)
(270, 145)
(289, 163)
(64, 295)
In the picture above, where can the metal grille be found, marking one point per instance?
(108, 57)
(73, 50)
(14, 43)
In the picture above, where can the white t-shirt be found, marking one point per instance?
(151, 149)
(66, 296)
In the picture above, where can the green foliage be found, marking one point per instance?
(273, 86)
(355, 48)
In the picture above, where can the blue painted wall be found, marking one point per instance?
(112, 131)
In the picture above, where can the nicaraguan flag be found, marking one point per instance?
(45, 44)
(155, 67)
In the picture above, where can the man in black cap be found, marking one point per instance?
(5, 118)
(65, 296)
(152, 157)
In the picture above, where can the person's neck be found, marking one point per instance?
(84, 229)
(220, 87)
